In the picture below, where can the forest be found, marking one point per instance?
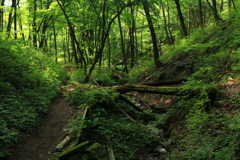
(120, 79)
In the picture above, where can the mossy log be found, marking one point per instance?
(166, 82)
(109, 148)
(68, 139)
(130, 103)
(72, 150)
(91, 150)
(133, 87)
(145, 89)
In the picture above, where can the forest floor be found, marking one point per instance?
(40, 144)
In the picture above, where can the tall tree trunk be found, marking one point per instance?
(132, 38)
(73, 39)
(1, 16)
(11, 17)
(183, 26)
(122, 45)
(104, 35)
(234, 5)
(165, 25)
(169, 22)
(214, 9)
(215, 12)
(20, 25)
(109, 52)
(230, 3)
(34, 24)
(15, 19)
(200, 13)
(157, 62)
(55, 41)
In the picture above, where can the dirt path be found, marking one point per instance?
(40, 144)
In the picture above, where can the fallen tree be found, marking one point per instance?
(166, 82)
(132, 87)
(145, 89)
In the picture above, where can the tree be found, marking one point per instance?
(145, 5)
(2, 16)
(122, 45)
(200, 12)
(106, 23)
(214, 9)
(181, 18)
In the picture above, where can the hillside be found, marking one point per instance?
(84, 95)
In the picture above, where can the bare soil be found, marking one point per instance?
(40, 144)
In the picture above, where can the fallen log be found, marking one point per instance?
(133, 87)
(72, 150)
(109, 148)
(68, 139)
(166, 82)
(130, 103)
(145, 89)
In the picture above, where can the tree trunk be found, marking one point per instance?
(122, 45)
(215, 12)
(55, 41)
(1, 16)
(104, 35)
(132, 38)
(73, 39)
(34, 25)
(145, 89)
(200, 13)
(157, 62)
(11, 17)
(183, 26)
(169, 40)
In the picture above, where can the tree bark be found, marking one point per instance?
(157, 62)
(122, 45)
(34, 25)
(183, 26)
(145, 89)
(167, 82)
(200, 12)
(1, 16)
(215, 12)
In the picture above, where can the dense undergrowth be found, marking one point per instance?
(210, 126)
(28, 81)
(106, 119)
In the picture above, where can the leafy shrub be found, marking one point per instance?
(78, 76)
(106, 119)
(104, 76)
(28, 81)
(141, 70)
(207, 132)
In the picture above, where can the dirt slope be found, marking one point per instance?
(40, 144)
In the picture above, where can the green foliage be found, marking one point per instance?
(208, 133)
(106, 119)
(126, 137)
(208, 136)
(141, 70)
(78, 76)
(103, 76)
(28, 81)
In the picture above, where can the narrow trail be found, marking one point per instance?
(40, 144)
